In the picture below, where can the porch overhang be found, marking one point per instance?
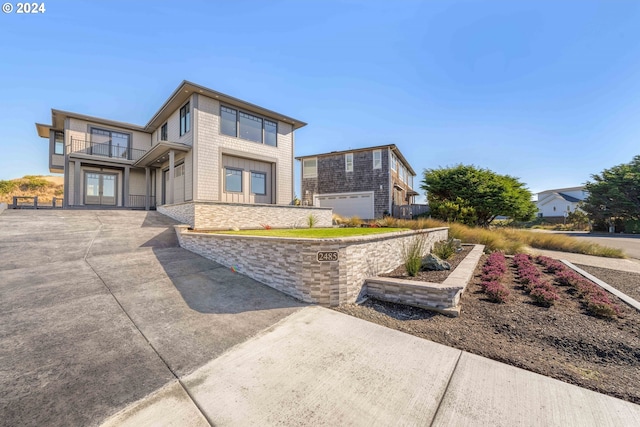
(159, 153)
(412, 193)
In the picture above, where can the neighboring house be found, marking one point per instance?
(364, 182)
(201, 146)
(557, 203)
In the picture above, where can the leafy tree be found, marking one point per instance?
(614, 193)
(476, 196)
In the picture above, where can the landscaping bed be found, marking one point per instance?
(431, 276)
(562, 341)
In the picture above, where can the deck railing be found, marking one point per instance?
(104, 149)
(140, 201)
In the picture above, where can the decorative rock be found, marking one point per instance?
(433, 263)
(458, 244)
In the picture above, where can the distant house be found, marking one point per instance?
(561, 201)
(364, 182)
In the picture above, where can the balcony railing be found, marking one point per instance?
(104, 149)
(140, 201)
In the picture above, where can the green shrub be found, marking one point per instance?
(312, 220)
(7, 187)
(412, 255)
(444, 249)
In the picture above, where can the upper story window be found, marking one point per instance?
(310, 168)
(110, 143)
(394, 162)
(270, 132)
(185, 119)
(164, 133)
(377, 159)
(58, 143)
(228, 121)
(248, 126)
(348, 162)
(401, 172)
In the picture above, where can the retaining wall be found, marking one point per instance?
(292, 266)
(224, 216)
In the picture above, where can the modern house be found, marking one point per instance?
(556, 203)
(200, 149)
(364, 182)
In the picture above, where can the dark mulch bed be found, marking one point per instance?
(562, 342)
(626, 282)
(431, 276)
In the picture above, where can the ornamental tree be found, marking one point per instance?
(614, 193)
(476, 196)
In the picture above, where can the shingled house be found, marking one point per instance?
(364, 182)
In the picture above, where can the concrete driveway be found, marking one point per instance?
(100, 308)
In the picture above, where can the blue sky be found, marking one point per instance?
(544, 91)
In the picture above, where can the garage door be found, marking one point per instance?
(348, 204)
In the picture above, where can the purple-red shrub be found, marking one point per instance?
(544, 294)
(495, 291)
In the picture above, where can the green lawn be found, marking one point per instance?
(313, 233)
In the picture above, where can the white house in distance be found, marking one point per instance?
(561, 201)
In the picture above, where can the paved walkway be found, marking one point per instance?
(100, 312)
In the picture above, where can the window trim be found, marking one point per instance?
(185, 118)
(164, 132)
(379, 153)
(251, 182)
(263, 119)
(348, 156)
(56, 142)
(394, 163)
(111, 146)
(235, 110)
(226, 168)
(178, 168)
(314, 175)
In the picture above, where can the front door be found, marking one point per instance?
(100, 189)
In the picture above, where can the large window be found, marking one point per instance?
(310, 168)
(232, 180)
(270, 132)
(109, 143)
(377, 159)
(164, 133)
(58, 147)
(348, 162)
(248, 126)
(228, 118)
(185, 119)
(394, 162)
(259, 183)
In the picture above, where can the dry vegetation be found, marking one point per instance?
(45, 187)
(507, 240)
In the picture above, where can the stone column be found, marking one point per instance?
(171, 177)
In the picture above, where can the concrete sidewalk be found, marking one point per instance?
(323, 368)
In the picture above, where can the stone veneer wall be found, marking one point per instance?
(223, 216)
(291, 265)
(443, 297)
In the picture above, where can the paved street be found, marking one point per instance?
(630, 243)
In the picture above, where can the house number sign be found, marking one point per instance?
(327, 256)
